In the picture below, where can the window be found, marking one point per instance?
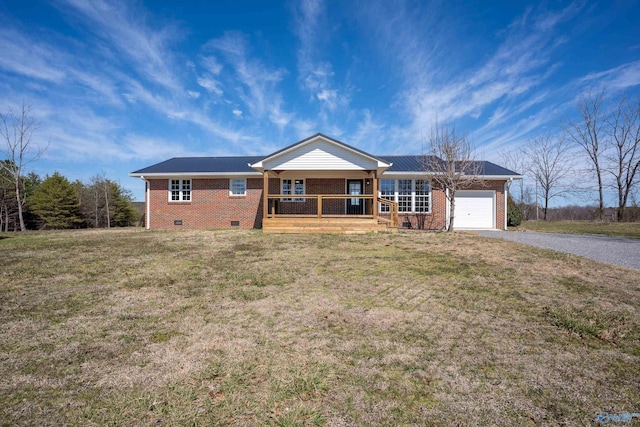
(387, 191)
(422, 192)
(412, 195)
(293, 186)
(180, 190)
(237, 187)
(404, 195)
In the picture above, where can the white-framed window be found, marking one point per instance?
(238, 187)
(179, 190)
(422, 199)
(404, 195)
(411, 195)
(292, 186)
(387, 191)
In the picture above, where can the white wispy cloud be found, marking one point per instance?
(259, 82)
(147, 48)
(211, 84)
(25, 56)
(617, 78)
(316, 76)
(520, 63)
(29, 56)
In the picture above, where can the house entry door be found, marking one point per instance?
(355, 206)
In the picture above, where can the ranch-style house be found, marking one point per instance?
(319, 185)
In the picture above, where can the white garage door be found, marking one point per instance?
(474, 209)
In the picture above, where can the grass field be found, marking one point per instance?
(625, 229)
(127, 327)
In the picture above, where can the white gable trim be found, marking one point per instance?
(320, 153)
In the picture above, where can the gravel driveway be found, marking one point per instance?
(620, 251)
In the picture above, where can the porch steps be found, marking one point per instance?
(324, 225)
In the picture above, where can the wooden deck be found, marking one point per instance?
(340, 225)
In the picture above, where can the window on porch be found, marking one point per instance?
(412, 195)
(293, 186)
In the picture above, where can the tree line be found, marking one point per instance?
(54, 202)
(28, 201)
(599, 150)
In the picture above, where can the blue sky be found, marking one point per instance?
(118, 86)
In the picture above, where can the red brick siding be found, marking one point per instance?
(212, 207)
(436, 220)
(498, 186)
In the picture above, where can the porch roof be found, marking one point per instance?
(320, 152)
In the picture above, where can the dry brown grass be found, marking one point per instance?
(621, 229)
(126, 327)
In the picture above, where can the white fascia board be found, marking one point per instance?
(404, 173)
(497, 177)
(380, 163)
(418, 173)
(195, 174)
(257, 165)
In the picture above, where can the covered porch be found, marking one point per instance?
(324, 186)
(329, 213)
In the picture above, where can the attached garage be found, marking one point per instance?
(475, 209)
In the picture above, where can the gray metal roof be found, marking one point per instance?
(414, 163)
(240, 164)
(203, 165)
(491, 169)
(418, 163)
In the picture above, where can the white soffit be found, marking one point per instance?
(321, 154)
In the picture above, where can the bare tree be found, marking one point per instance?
(17, 131)
(450, 163)
(516, 160)
(550, 164)
(588, 134)
(624, 128)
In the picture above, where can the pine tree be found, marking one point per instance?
(56, 203)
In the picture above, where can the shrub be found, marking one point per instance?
(514, 216)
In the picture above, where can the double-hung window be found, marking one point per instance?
(293, 186)
(411, 195)
(404, 195)
(422, 196)
(238, 187)
(387, 191)
(180, 190)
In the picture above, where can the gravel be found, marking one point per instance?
(620, 251)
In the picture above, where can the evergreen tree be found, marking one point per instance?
(124, 214)
(30, 184)
(55, 201)
(514, 216)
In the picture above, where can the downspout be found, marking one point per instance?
(147, 216)
(447, 210)
(506, 197)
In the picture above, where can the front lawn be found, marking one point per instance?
(622, 229)
(127, 327)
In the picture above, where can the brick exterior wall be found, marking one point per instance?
(211, 206)
(436, 220)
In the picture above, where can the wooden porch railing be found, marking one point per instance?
(292, 202)
(393, 212)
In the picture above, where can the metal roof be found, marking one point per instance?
(202, 165)
(240, 164)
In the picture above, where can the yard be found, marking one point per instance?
(621, 229)
(127, 327)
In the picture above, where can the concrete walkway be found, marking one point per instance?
(621, 251)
